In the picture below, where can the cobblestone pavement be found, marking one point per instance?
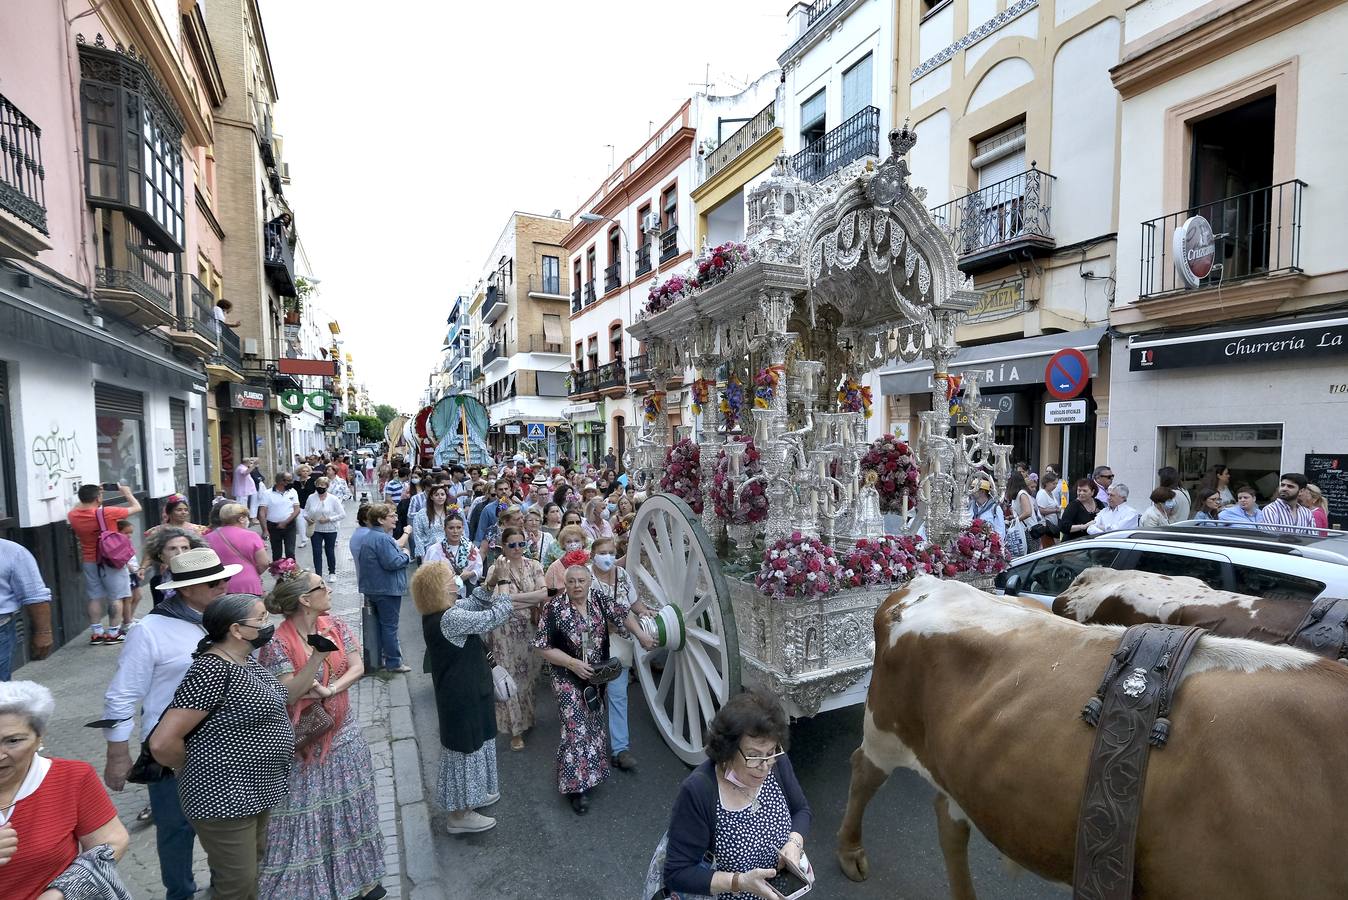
(78, 675)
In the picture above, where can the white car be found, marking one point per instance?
(1290, 563)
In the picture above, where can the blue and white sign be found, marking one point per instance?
(536, 431)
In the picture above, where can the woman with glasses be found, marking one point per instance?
(228, 736)
(743, 807)
(323, 840)
(515, 574)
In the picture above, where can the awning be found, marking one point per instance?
(581, 411)
(1006, 364)
(1276, 341)
(552, 330)
(26, 322)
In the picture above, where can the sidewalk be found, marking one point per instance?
(78, 675)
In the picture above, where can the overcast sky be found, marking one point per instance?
(412, 133)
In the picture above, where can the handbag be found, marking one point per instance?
(503, 684)
(606, 671)
(308, 527)
(148, 770)
(313, 723)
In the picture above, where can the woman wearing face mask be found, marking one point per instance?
(325, 512)
(323, 840)
(522, 578)
(614, 587)
(572, 542)
(594, 524)
(1158, 513)
(227, 734)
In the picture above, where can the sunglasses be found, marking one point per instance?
(517, 545)
(322, 586)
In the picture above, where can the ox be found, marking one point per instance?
(1105, 596)
(981, 696)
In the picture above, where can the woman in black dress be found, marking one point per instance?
(1080, 512)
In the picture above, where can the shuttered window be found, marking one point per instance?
(178, 422)
(1000, 156)
(119, 417)
(856, 88)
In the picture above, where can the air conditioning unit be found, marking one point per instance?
(650, 222)
(250, 346)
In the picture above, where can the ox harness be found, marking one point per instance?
(1324, 631)
(1130, 712)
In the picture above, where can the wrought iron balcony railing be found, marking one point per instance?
(637, 368)
(231, 353)
(586, 382)
(856, 138)
(644, 258)
(613, 277)
(546, 284)
(280, 260)
(1005, 215)
(1254, 234)
(815, 11)
(744, 137)
(143, 276)
(199, 309)
(612, 374)
(538, 343)
(589, 292)
(494, 305)
(22, 178)
(575, 300)
(493, 352)
(669, 243)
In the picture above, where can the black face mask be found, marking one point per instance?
(264, 634)
(322, 490)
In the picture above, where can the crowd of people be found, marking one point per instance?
(1034, 513)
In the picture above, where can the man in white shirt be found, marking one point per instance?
(1117, 514)
(277, 511)
(153, 660)
(460, 487)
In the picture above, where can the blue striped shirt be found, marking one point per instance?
(20, 581)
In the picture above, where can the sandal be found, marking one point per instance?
(517, 743)
(145, 815)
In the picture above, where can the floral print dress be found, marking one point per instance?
(582, 755)
(511, 645)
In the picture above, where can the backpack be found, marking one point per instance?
(114, 548)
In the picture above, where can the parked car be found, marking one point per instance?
(1295, 564)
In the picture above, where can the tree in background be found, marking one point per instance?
(371, 429)
(384, 413)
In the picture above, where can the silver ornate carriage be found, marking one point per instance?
(834, 280)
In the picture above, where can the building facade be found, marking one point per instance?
(1231, 326)
(519, 331)
(633, 230)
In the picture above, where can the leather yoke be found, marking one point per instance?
(1130, 712)
(1324, 631)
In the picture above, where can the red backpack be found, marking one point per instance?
(114, 548)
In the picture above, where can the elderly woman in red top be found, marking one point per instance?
(51, 810)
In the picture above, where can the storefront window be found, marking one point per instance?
(120, 452)
(1253, 453)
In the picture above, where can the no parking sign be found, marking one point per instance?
(1067, 374)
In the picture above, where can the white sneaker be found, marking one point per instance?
(490, 801)
(469, 823)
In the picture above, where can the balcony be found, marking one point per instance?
(669, 243)
(637, 372)
(1255, 234)
(138, 285)
(22, 178)
(589, 292)
(494, 306)
(493, 352)
(477, 374)
(643, 259)
(745, 137)
(226, 364)
(195, 329)
(854, 139)
(816, 10)
(538, 343)
(1000, 222)
(575, 301)
(280, 259)
(612, 374)
(584, 383)
(546, 287)
(613, 277)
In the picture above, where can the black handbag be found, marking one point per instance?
(606, 671)
(148, 770)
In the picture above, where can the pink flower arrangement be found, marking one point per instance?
(799, 567)
(928, 558)
(720, 261)
(283, 568)
(682, 476)
(765, 385)
(896, 471)
(670, 291)
(853, 396)
(881, 561)
(978, 549)
(753, 500)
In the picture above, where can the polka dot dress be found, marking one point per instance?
(748, 839)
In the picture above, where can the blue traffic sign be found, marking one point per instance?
(536, 431)
(1067, 374)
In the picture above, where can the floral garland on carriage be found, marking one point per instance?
(752, 504)
(799, 567)
(896, 471)
(683, 476)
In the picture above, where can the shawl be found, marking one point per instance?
(338, 705)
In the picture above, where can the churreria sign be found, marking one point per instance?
(1195, 250)
(1288, 342)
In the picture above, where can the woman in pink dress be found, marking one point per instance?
(236, 545)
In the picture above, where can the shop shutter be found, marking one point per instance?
(120, 402)
(178, 422)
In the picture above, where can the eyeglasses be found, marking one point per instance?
(517, 545)
(217, 582)
(322, 586)
(758, 762)
(1106, 475)
(266, 620)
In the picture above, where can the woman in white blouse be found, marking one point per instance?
(325, 513)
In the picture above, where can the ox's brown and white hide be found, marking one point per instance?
(1103, 596)
(981, 696)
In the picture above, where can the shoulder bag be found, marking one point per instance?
(148, 770)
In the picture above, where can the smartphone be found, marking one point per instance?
(789, 883)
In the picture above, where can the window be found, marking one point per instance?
(133, 143)
(812, 119)
(552, 275)
(669, 204)
(856, 87)
(594, 351)
(576, 280)
(642, 237)
(119, 416)
(552, 333)
(1000, 156)
(551, 384)
(615, 341)
(1206, 569)
(1275, 585)
(580, 356)
(589, 264)
(1051, 576)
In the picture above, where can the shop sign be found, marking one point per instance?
(512, 429)
(1329, 472)
(351, 426)
(241, 396)
(1275, 345)
(1065, 412)
(295, 401)
(1006, 299)
(1195, 250)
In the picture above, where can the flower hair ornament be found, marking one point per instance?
(284, 569)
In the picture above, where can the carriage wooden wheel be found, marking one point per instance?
(676, 572)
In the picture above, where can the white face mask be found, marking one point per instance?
(604, 561)
(574, 545)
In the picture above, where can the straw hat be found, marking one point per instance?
(197, 567)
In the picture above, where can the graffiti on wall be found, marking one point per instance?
(55, 456)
